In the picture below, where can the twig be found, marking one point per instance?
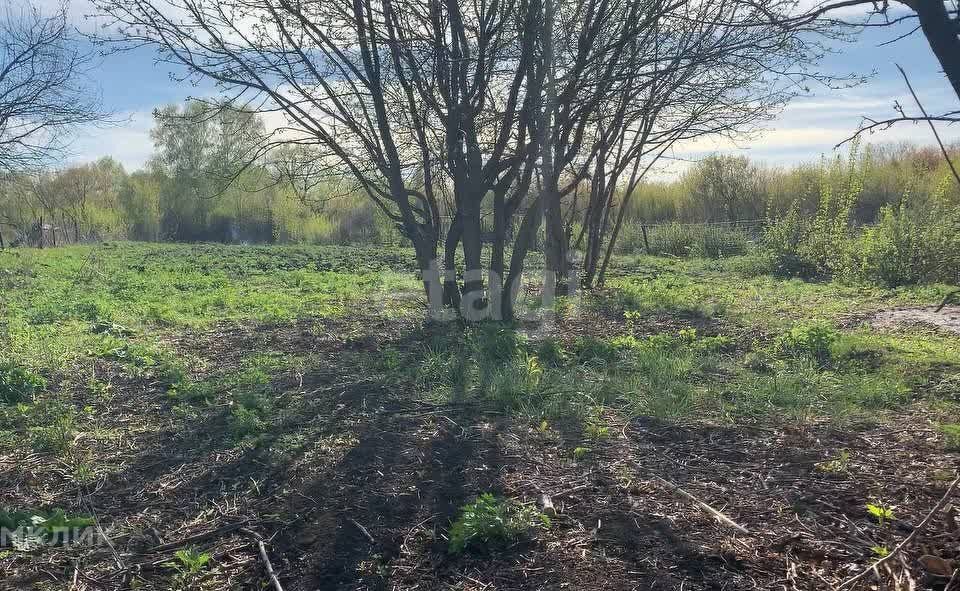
(363, 530)
(720, 516)
(197, 538)
(954, 579)
(266, 563)
(933, 128)
(926, 520)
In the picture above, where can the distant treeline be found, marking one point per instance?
(202, 184)
(728, 188)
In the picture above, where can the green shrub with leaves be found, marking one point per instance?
(911, 245)
(491, 523)
(813, 246)
(18, 384)
(811, 340)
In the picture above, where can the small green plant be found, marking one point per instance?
(813, 341)
(880, 512)
(595, 427)
(18, 384)
(490, 522)
(390, 359)
(580, 452)
(188, 564)
(57, 437)
(551, 353)
(951, 436)
(880, 551)
(244, 422)
(836, 465)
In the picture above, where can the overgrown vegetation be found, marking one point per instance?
(490, 523)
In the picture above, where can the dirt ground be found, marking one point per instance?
(358, 489)
(947, 319)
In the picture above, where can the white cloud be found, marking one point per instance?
(127, 141)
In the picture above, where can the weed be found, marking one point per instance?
(594, 350)
(56, 436)
(880, 551)
(880, 512)
(18, 384)
(551, 353)
(188, 564)
(580, 453)
(244, 422)
(813, 341)
(491, 523)
(836, 465)
(951, 437)
(595, 427)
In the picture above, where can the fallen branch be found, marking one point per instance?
(363, 530)
(717, 514)
(954, 579)
(197, 538)
(266, 563)
(926, 520)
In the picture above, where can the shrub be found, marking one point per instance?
(910, 246)
(489, 523)
(18, 384)
(813, 341)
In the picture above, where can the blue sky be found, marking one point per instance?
(133, 84)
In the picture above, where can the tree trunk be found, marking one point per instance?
(495, 280)
(526, 235)
(943, 34)
(451, 289)
(472, 304)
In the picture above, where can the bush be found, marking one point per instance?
(489, 523)
(911, 246)
(18, 384)
(813, 341)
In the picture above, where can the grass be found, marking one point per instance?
(769, 347)
(91, 375)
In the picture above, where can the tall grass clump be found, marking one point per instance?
(686, 240)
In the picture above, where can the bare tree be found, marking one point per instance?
(444, 109)
(44, 89)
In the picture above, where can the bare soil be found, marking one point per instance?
(947, 319)
(357, 489)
